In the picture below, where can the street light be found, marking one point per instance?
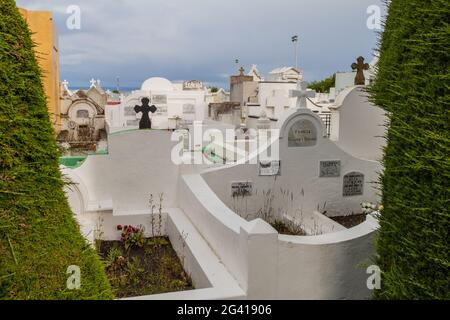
(295, 40)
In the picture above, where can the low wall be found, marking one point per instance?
(218, 225)
(329, 266)
(271, 266)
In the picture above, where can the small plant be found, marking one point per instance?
(114, 260)
(160, 208)
(288, 227)
(134, 270)
(132, 236)
(98, 234)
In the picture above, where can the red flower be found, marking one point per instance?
(119, 227)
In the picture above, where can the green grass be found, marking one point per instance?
(39, 238)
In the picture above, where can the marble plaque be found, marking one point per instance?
(188, 109)
(129, 111)
(132, 123)
(270, 168)
(159, 99)
(353, 184)
(330, 168)
(241, 189)
(303, 133)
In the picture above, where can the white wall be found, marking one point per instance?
(299, 171)
(264, 264)
(330, 266)
(138, 164)
(361, 125)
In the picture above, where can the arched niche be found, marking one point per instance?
(301, 128)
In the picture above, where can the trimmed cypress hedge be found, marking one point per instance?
(412, 85)
(39, 238)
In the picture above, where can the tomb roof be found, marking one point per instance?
(158, 84)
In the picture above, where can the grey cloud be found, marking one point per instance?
(200, 39)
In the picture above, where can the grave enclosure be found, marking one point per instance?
(213, 214)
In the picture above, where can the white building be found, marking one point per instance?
(177, 104)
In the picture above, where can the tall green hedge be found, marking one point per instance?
(412, 85)
(39, 238)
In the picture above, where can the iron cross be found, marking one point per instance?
(360, 66)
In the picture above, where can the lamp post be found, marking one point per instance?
(295, 41)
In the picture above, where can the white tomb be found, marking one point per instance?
(177, 105)
(229, 251)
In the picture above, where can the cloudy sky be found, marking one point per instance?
(201, 39)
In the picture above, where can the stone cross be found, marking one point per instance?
(65, 84)
(92, 82)
(360, 66)
(301, 93)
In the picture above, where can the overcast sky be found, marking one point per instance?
(201, 39)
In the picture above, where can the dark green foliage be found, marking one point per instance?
(413, 86)
(39, 238)
(323, 85)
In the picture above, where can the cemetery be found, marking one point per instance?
(180, 190)
(222, 216)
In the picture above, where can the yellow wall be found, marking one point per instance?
(45, 36)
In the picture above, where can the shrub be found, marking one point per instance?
(412, 85)
(39, 238)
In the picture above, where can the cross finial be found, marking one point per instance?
(360, 66)
(241, 71)
(302, 93)
(93, 82)
(65, 84)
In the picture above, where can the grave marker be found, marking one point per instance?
(330, 168)
(270, 168)
(353, 184)
(241, 189)
(303, 133)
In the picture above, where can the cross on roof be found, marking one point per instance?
(65, 83)
(360, 66)
(93, 82)
(301, 93)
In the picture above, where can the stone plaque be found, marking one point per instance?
(353, 184)
(303, 133)
(161, 111)
(241, 189)
(330, 168)
(133, 123)
(159, 99)
(129, 111)
(189, 108)
(270, 168)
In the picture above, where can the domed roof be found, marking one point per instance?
(158, 84)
